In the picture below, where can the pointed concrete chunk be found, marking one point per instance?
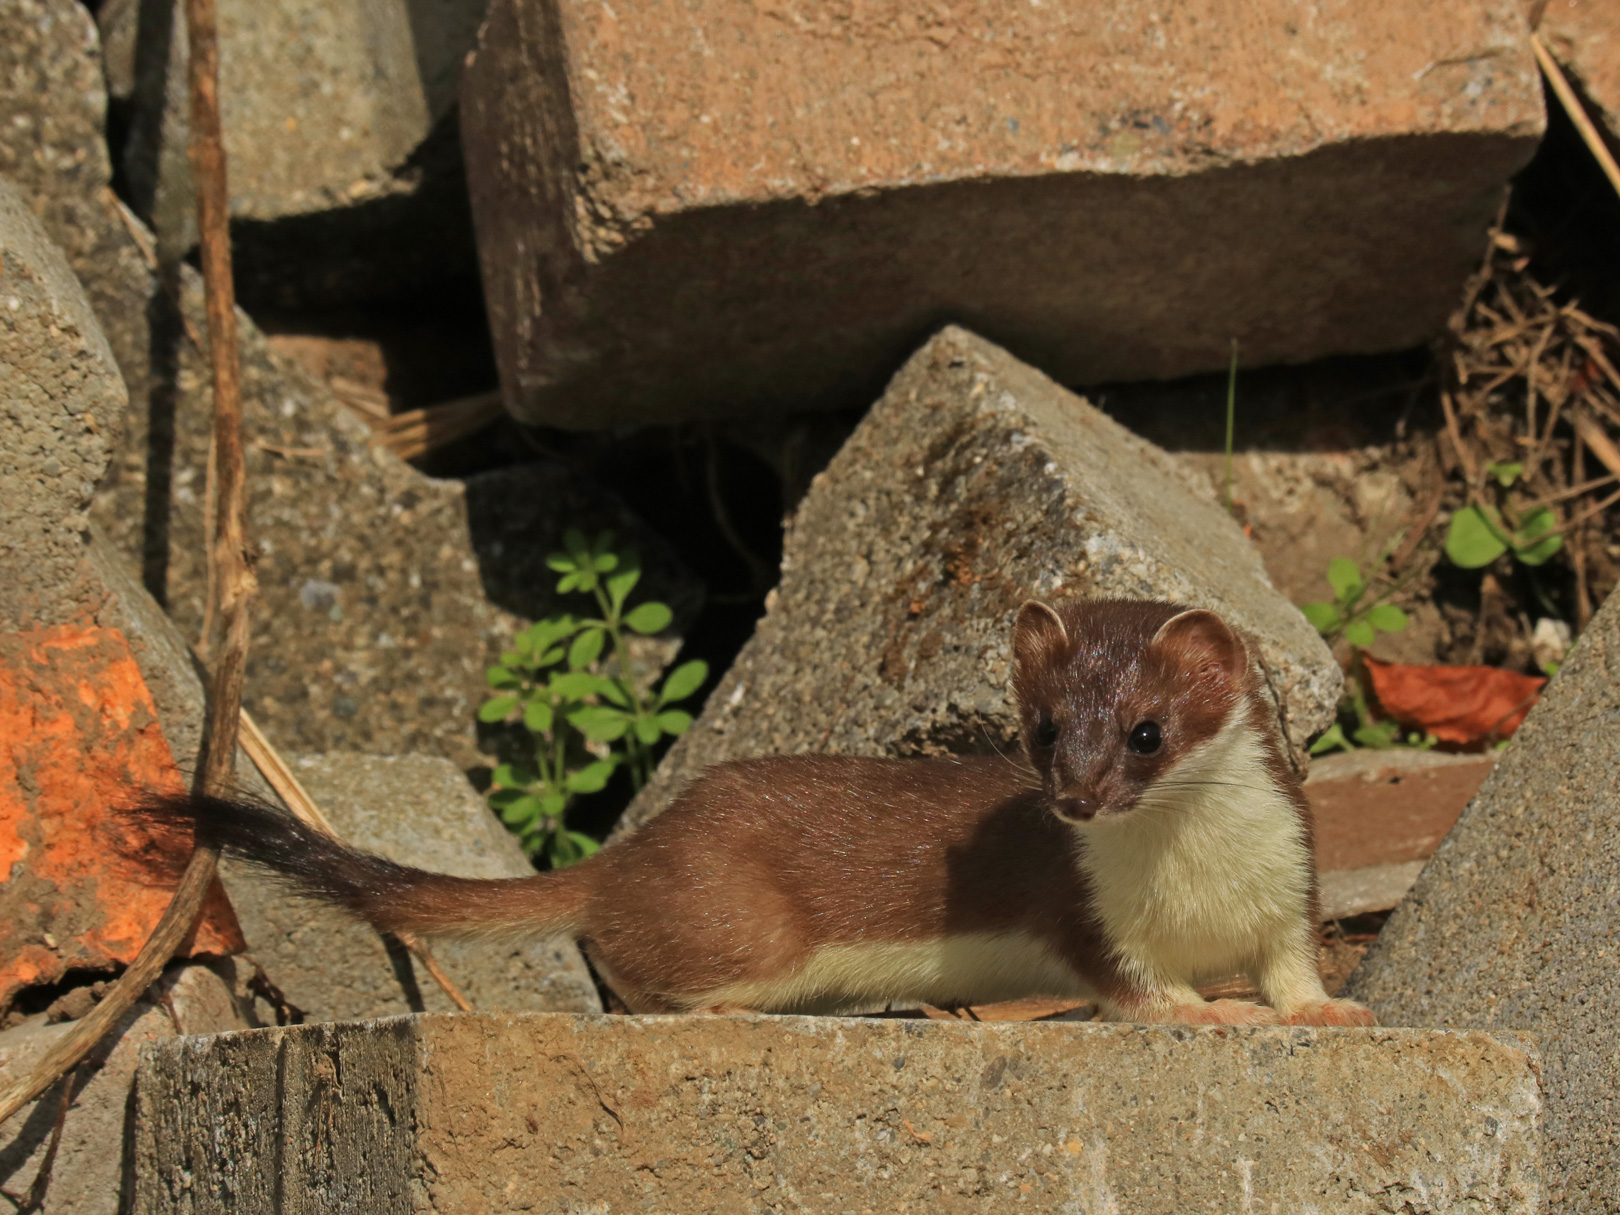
(974, 484)
(1512, 923)
(691, 1115)
(62, 404)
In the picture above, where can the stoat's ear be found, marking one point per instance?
(1201, 643)
(1039, 639)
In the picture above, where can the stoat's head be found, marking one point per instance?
(1112, 694)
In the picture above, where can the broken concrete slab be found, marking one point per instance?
(1584, 36)
(1511, 924)
(62, 405)
(734, 207)
(417, 810)
(89, 1173)
(78, 735)
(337, 113)
(732, 1114)
(1379, 816)
(974, 484)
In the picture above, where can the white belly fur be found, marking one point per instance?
(968, 967)
(1208, 875)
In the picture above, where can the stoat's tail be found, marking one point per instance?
(393, 898)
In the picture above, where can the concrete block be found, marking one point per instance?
(89, 1174)
(1584, 35)
(61, 407)
(739, 206)
(1511, 925)
(974, 484)
(77, 734)
(723, 1114)
(337, 112)
(417, 810)
(1379, 816)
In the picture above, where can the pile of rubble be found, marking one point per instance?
(735, 213)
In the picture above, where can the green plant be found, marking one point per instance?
(1351, 612)
(1481, 532)
(569, 686)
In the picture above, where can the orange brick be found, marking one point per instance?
(78, 736)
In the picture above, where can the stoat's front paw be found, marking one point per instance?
(1207, 1012)
(1332, 1012)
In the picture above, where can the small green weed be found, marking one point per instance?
(1482, 532)
(1356, 726)
(583, 713)
(1352, 612)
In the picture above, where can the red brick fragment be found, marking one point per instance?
(78, 736)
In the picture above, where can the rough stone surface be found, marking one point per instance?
(1379, 816)
(731, 1114)
(974, 484)
(82, 890)
(1584, 35)
(417, 810)
(733, 206)
(89, 1174)
(1511, 924)
(342, 111)
(384, 594)
(61, 407)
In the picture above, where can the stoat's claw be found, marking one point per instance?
(1204, 1012)
(1332, 1012)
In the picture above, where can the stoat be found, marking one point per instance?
(1162, 840)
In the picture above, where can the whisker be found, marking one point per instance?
(1019, 765)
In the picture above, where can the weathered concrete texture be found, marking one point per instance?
(384, 594)
(1511, 925)
(417, 810)
(1584, 35)
(724, 1114)
(733, 206)
(89, 1174)
(61, 407)
(1379, 815)
(974, 484)
(83, 890)
(329, 109)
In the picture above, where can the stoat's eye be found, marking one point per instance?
(1046, 732)
(1146, 738)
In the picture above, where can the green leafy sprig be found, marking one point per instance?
(568, 682)
(1352, 612)
(1481, 532)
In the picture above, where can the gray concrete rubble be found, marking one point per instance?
(974, 484)
(338, 116)
(89, 1173)
(722, 209)
(417, 810)
(384, 593)
(62, 406)
(733, 1114)
(1511, 924)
